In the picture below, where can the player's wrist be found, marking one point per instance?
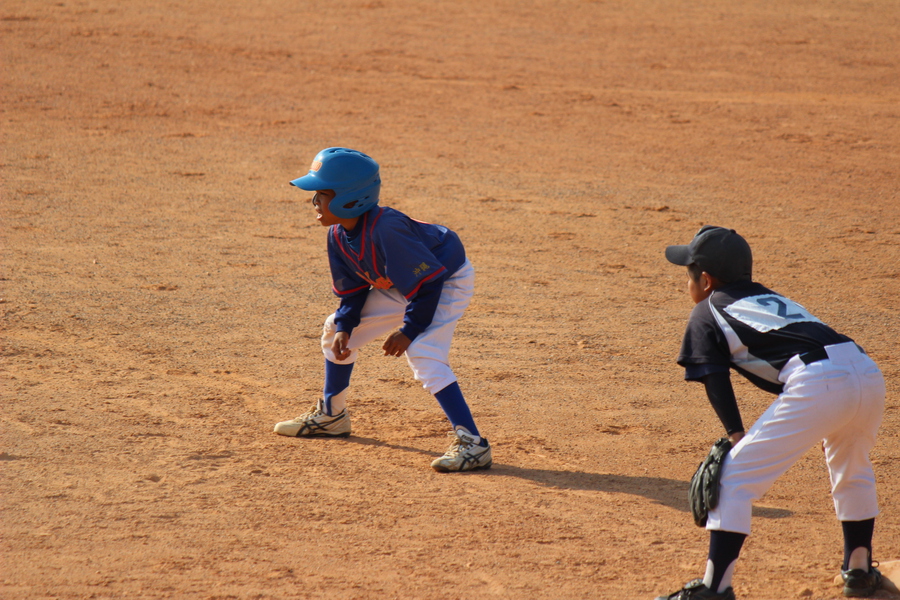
(410, 331)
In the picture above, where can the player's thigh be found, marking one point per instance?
(793, 424)
(434, 342)
(456, 294)
(854, 438)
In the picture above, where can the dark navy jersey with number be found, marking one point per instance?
(752, 329)
(388, 249)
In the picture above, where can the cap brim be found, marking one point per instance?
(679, 255)
(307, 182)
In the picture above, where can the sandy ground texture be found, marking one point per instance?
(163, 288)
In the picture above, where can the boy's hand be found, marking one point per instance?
(339, 345)
(396, 344)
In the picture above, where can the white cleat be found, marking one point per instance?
(467, 452)
(315, 423)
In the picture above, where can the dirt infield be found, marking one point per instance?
(163, 288)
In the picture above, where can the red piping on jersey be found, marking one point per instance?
(429, 278)
(372, 242)
(348, 252)
(357, 259)
(344, 293)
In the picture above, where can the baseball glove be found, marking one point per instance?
(704, 490)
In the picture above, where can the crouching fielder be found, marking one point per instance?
(828, 390)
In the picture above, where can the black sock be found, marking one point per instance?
(857, 534)
(724, 549)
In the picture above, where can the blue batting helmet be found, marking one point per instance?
(352, 175)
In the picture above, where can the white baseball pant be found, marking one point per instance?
(840, 401)
(428, 354)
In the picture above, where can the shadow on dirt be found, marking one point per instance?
(367, 441)
(668, 492)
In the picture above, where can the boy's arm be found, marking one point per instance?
(422, 306)
(349, 313)
(721, 395)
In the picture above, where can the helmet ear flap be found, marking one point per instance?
(354, 202)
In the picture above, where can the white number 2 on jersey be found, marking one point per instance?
(767, 312)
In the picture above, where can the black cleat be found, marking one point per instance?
(859, 583)
(696, 590)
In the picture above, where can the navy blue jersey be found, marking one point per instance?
(752, 329)
(388, 249)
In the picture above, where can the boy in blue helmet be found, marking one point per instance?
(828, 390)
(394, 276)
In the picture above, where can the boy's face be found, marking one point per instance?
(320, 201)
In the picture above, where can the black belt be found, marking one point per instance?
(819, 354)
(813, 356)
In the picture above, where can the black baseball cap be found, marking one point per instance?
(720, 252)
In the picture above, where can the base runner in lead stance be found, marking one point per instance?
(828, 390)
(408, 280)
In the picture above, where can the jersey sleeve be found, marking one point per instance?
(704, 349)
(349, 313)
(721, 396)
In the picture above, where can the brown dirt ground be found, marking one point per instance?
(163, 288)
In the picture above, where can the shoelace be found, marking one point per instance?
(457, 446)
(312, 412)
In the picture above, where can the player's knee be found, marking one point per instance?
(329, 329)
(432, 374)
